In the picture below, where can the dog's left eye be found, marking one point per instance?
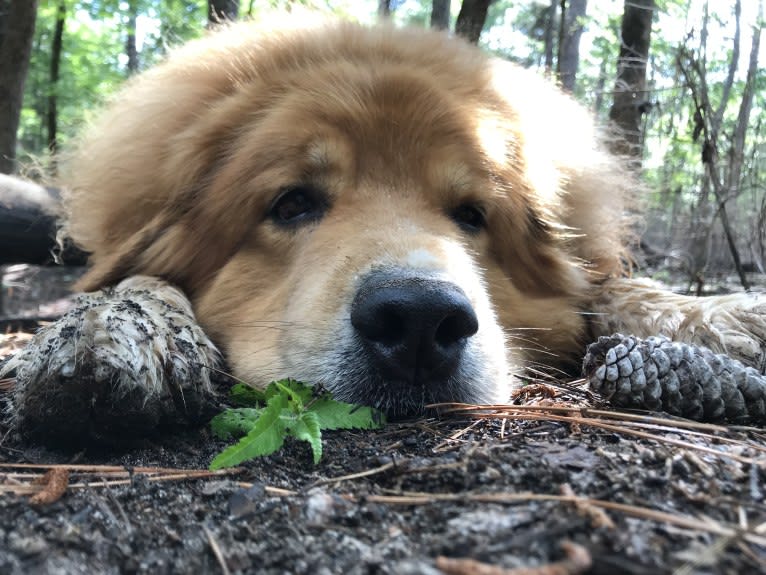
(298, 204)
(469, 217)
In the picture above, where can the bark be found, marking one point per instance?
(470, 20)
(53, 78)
(550, 27)
(630, 95)
(440, 12)
(222, 10)
(4, 7)
(15, 48)
(130, 40)
(569, 41)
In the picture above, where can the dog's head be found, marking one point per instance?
(380, 211)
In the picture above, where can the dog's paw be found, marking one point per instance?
(121, 363)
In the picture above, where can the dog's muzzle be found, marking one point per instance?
(413, 329)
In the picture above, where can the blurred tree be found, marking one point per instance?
(440, 13)
(470, 20)
(571, 26)
(131, 49)
(631, 99)
(548, 36)
(53, 79)
(221, 10)
(17, 28)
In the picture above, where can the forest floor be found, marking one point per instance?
(555, 492)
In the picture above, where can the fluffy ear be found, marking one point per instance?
(177, 248)
(534, 256)
(145, 251)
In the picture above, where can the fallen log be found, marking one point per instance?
(28, 224)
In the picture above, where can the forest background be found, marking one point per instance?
(680, 81)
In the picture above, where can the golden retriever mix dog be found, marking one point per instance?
(389, 213)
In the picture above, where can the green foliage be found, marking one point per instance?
(285, 408)
(93, 61)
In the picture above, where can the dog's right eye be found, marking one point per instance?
(298, 204)
(469, 217)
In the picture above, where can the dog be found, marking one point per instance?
(390, 213)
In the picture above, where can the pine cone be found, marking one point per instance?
(678, 378)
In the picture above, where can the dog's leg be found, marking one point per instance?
(124, 361)
(734, 325)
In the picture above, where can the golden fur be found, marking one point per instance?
(398, 129)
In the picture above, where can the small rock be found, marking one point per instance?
(246, 501)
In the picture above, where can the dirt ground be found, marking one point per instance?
(633, 496)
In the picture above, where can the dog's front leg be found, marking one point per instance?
(124, 361)
(734, 324)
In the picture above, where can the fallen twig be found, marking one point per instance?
(107, 476)
(578, 560)
(217, 551)
(382, 469)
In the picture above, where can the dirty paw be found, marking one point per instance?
(121, 363)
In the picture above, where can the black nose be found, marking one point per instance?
(414, 328)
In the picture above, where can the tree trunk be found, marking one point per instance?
(470, 20)
(53, 79)
(130, 40)
(550, 27)
(4, 7)
(384, 8)
(572, 24)
(15, 48)
(222, 10)
(440, 12)
(630, 95)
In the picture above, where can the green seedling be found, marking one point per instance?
(286, 408)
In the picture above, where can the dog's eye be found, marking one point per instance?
(469, 217)
(298, 204)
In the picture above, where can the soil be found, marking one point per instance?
(679, 499)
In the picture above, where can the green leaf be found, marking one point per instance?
(235, 422)
(298, 393)
(293, 409)
(306, 428)
(266, 436)
(243, 394)
(338, 415)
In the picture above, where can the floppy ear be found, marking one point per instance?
(533, 254)
(176, 245)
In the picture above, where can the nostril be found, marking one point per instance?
(384, 324)
(457, 326)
